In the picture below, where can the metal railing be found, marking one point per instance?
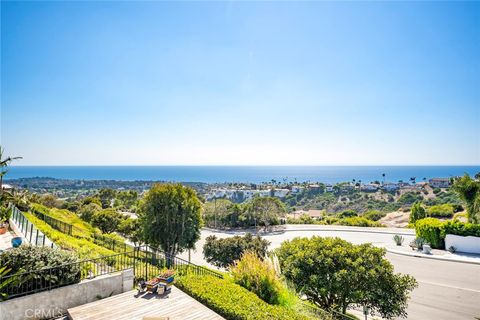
(53, 222)
(25, 283)
(156, 260)
(30, 232)
(110, 243)
(146, 263)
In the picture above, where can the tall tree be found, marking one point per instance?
(170, 216)
(468, 190)
(266, 210)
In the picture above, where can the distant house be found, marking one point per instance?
(329, 188)
(439, 182)
(390, 187)
(281, 193)
(6, 187)
(370, 187)
(297, 189)
(315, 214)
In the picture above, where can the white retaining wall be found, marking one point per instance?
(51, 303)
(463, 244)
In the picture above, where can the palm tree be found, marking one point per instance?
(3, 166)
(383, 176)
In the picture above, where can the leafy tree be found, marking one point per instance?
(127, 199)
(223, 252)
(418, 212)
(86, 212)
(266, 210)
(131, 229)
(106, 220)
(170, 216)
(335, 274)
(106, 197)
(50, 201)
(469, 191)
(89, 200)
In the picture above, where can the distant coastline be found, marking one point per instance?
(245, 174)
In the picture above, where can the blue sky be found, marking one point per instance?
(241, 83)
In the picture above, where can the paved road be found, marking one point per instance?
(447, 290)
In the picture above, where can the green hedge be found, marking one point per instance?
(430, 229)
(233, 301)
(434, 230)
(461, 229)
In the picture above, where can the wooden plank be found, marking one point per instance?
(130, 306)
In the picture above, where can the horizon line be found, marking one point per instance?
(246, 165)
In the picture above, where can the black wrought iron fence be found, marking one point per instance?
(145, 262)
(54, 223)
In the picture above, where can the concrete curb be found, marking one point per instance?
(402, 233)
(433, 257)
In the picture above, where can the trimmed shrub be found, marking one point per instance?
(223, 252)
(460, 229)
(258, 276)
(441, 211)
(430, 229)
(233, 301)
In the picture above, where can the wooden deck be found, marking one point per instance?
(129, 306)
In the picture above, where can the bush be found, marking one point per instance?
(358, 222)
(335, 274)
(30, 258)
(460, 229)
(430, 229)
(259, 276)
(374, 215)
(409, 198)
(233, 301)
(223, 252)
(418, 212)
(441, 210)
(303, 219)
(347, 214)
(87, 211)
(107, 220)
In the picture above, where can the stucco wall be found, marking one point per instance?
(463, 244)
(47, 304)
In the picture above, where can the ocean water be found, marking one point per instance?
(250, 174)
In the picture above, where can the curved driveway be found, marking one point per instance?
(447, 290)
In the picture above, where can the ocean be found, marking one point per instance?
(248, 174)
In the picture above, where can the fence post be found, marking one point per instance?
(31, 232)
